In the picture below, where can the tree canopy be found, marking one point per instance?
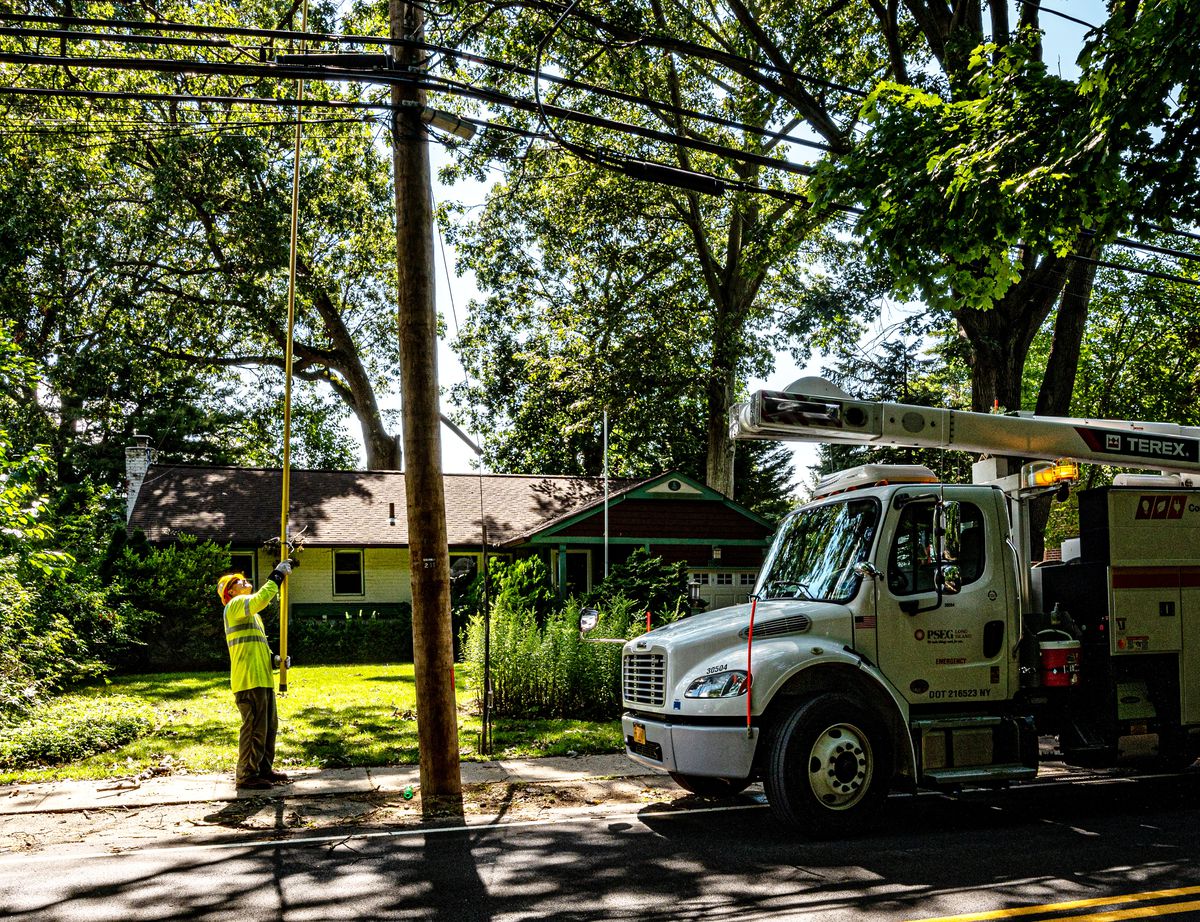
(990, 185)
(146, 254)
(654, 301)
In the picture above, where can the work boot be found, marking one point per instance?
(253, 784)
(275, 777)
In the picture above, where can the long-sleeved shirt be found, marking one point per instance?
(249, 651)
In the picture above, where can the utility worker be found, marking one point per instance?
(250, 675)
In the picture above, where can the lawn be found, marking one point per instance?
(331, 717)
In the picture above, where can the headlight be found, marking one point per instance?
(718, 685)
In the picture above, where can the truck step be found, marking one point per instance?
(979, 774)
(957, 723)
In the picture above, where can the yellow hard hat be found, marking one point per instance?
(223, 586)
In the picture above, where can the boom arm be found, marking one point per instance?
(813, 410)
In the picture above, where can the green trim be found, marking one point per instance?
(754, 516)
(642, 492)
(546, 540)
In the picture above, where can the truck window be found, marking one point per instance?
(814, 554)
(911, 564)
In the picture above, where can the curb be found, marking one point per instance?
(174, 790)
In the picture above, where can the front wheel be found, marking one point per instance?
(828, 767)
(704, 786)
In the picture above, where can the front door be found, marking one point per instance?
(954, 653)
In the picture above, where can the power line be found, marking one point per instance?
(184, 27)
(648, 169)
(626, 97)
(1036, 4)
(1136, 270)
(1154, 248)
(489, 62)
(727, 57)
(1190, 235)
(138, 96)
(431, 82)
(17, 32)
(503, 99)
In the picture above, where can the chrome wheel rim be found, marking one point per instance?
(840, 766)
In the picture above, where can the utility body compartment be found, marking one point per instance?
(1134, 598)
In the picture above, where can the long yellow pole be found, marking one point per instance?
(287, 373)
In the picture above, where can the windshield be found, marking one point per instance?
(814, 554)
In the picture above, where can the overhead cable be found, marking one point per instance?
(484, 61)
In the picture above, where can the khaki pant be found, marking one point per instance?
(256, 741)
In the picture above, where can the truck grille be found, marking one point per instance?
(643, 678)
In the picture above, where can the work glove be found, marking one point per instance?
(275, 661)
(282, 569)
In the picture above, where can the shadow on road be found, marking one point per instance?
(931, 855)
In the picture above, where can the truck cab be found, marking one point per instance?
(880, 650)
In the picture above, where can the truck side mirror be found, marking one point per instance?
(588, 619)
(950, 577)
(867, 570)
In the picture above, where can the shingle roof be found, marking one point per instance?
(242, 505)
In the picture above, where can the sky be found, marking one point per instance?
(1062, 43)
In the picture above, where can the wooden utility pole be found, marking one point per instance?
(433, 648)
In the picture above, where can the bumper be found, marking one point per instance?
(718, 752)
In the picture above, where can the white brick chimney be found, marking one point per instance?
(138, 458)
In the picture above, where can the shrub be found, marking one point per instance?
(522, 585)
(49, 629)
(657, 587)
(71, 728)
(175, 588)
(349, 639)
(544, 668)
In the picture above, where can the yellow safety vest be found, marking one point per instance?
(249, 652)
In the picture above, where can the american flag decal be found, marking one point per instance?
(865, 622)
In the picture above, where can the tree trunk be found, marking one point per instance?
(718, 472)
(1058, 383)
(999, 338)
(356, 390)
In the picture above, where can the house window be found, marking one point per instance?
(724, 579)
(701, 578)
(747, 579)
(347, 572)
(243, 562)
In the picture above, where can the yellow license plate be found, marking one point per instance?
(639, 734)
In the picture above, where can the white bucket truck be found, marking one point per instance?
(899, 638)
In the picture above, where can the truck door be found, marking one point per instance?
(953, 652)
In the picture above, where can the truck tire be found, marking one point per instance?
(828, 767)
(704, 786)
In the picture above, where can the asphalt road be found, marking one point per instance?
(1099, 851)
